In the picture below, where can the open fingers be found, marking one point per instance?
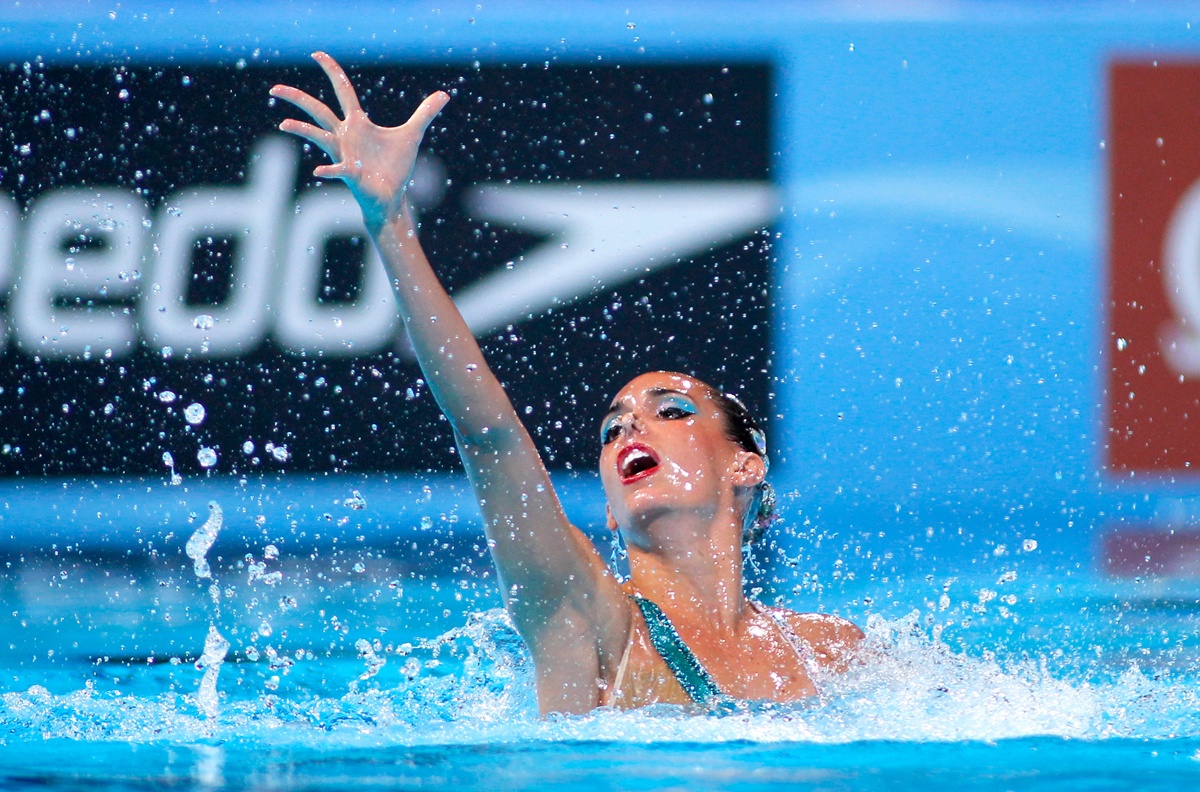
(326, 141)
(429, 109)
(342, 86)
(338, 170)
(315, 108)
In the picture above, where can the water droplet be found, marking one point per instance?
(207, 457)
(198, 545)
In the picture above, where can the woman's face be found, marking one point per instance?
(665, 450)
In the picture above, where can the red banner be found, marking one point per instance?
(1153, 346)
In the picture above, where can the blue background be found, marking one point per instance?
(940, 280)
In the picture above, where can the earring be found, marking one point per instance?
(618, 559)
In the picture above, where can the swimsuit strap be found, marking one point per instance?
(691, 676)
(624, 664)
(800, 646)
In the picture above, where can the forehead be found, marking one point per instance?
(655, 382)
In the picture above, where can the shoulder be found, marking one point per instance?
(833, 639)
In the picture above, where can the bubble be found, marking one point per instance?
(1029, 545)
(280, 453)
(207, 457)
(270, 552)
(426, 523)
(203, 322)
(166, 397)
(356, 501)
(248, 447)
(194, 413)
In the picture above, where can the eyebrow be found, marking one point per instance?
(616, 406)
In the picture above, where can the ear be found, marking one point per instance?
(748, 470)
(609, 520)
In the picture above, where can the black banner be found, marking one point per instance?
(174, 282)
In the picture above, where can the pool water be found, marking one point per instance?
(350, 667)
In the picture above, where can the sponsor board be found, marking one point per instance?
(177, 293)
(1153, 344)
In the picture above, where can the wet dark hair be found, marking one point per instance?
(742, 428)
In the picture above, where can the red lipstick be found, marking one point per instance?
(635, 462)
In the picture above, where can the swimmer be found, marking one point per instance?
(683, 467)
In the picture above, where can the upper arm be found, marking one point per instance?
(547, 567)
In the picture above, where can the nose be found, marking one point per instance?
(630, 423)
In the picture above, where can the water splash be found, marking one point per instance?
(198, 545)
(370, 655)
(475, 685)
(215, 648)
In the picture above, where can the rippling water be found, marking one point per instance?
(369, 679)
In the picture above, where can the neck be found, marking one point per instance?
(698, 570)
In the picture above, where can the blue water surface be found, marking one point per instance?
(357, 666)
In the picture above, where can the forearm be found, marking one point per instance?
(543, 561)
(537, 552)
(450, 358)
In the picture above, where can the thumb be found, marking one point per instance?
(429, 109)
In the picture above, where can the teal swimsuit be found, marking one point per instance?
(684, 664)
(692, 677)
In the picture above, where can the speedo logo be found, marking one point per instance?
(92, 272)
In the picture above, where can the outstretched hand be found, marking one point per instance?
(375, 162)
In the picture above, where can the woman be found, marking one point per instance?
(683, 468)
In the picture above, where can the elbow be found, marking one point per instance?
(484, 438)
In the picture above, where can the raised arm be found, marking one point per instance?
(549, 571)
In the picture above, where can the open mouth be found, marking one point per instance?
(636, 462)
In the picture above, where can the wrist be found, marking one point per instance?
(396, 216)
